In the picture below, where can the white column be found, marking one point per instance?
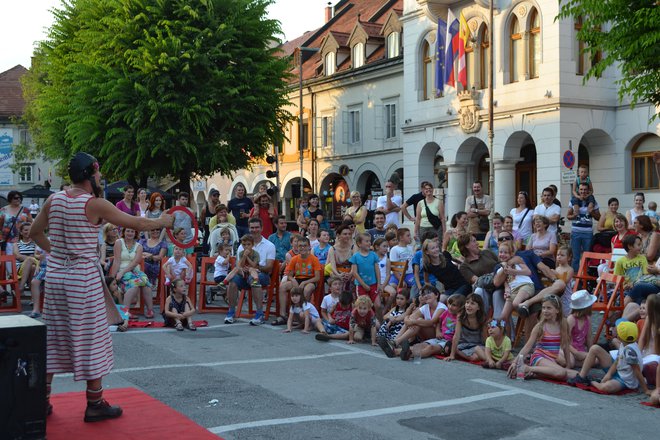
(505, 185)
(456, 189)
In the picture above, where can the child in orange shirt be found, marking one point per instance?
(304, 271)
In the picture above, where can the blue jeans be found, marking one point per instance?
(580, 242)
(641, 290)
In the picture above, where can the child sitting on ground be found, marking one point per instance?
(470, 334)
(302, 314)
(178, 310)
(178, 266)
(338, 323)
(247, 263)
(363, 319)
(118, 298)
(393, 321)
(498, 346)
(331, 299)
(579, 326)
(622, 373)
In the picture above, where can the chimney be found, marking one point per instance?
(328, 12)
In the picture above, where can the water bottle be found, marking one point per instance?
(520, 367)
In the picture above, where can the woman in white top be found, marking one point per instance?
(543, 242)
(522, 217)
(638, 209)
(435, 205)
(143, 201)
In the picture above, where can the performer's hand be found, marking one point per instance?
(167, 220)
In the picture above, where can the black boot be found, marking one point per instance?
(102, 410)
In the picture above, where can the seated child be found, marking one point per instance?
(221, 265)
(118, 298)
(622, 373)
(178, 308)
(390, 238)
(320, 251)
(518, 286)
(632, 267)
(180, 235)
(294, 249)
(37, 283)
(381, 248)
(336, 325)
(304, 271)
(178, 266)
(247, 263)
(469, 336)
(302, 314)
(226, 238)
(579, 326)
(393, 321)
(403, 251)
(498, 346)
(363, 321)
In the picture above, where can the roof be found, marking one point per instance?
(11, 92)
(371, 14)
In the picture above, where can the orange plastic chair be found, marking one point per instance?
(161, 293)
(271, 291)
(12, 281)
(582, 277)
(607, 299)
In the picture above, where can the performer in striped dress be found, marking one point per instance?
(75, 301)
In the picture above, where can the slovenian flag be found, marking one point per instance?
(440, 57)
(452, 43)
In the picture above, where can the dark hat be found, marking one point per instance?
(214, 192)
(82, 166)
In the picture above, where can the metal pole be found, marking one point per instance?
(300, 123)
(491, 134)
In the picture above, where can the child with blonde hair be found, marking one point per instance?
(547, 338)
(178, 266)
(514, 273)
(579, 326)
(363, 321)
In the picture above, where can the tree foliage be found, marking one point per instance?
(627, 32)
(159, 87)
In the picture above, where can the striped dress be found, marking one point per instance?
(79, 340)
(546, 348)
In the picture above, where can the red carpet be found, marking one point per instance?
(442, 358)
(159, 324)
(650, 404)
(144, 418)
(584, 387)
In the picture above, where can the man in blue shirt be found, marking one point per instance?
(281, 239)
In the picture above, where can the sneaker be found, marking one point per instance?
(35, 315)
(191, 326)
(258, 319)
(255, 283)
(102, 410)
(579, 380)
(384, 344)
(229, 319)
(405, 350)
(322, 337)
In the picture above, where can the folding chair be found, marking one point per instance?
(272, 287)
(607, 300)
(12, 281)
(399, 268)
(582, 278)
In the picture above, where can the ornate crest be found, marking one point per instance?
(468, 115)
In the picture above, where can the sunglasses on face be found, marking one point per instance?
(501, 239)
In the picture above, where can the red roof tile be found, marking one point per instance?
(11, 92)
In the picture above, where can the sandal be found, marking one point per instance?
(178, 326)
(191, 326)
(279, 321)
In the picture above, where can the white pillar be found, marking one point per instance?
(505, 186)
(456, 189)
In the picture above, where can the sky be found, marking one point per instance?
(26, 21)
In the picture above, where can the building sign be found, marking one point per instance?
(568, 159)
(568, 177)
(6, 156)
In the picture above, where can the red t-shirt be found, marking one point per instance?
(268, 227)
(303, 269)
(342, 315)
(617, 243)
(365, 321)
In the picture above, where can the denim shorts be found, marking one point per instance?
(246, 283)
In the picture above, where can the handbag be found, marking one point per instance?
(484, 224)
(433, 219)
(486, 282)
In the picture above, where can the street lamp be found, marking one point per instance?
(301, 49)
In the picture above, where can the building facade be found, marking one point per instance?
(371, 108)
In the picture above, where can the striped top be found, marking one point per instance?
(26, 248)
(72, 236)
(549, 344)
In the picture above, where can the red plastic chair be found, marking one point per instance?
(12, 281)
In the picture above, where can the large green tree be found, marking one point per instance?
(627, 33)
(159, 87)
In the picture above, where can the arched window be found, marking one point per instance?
(330, 63)
(583, 60)
(644, 176)
(427, 71)
(515, 49)
(484, 55)
(470, 66)
(358, 55)
(393, 45)
(534, 44)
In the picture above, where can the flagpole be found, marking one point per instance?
(491, 134)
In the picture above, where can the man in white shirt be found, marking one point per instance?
(266, 251)
(390, 205)
(548, 209)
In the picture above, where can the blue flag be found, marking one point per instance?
(440, 57)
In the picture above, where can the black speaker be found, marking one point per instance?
(22, 378)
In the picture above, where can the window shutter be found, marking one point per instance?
(344, 120)
(379, 123)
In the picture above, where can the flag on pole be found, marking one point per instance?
(452, 43)
(440, 57)
(464, 38)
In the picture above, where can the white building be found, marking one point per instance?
(370, 96)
